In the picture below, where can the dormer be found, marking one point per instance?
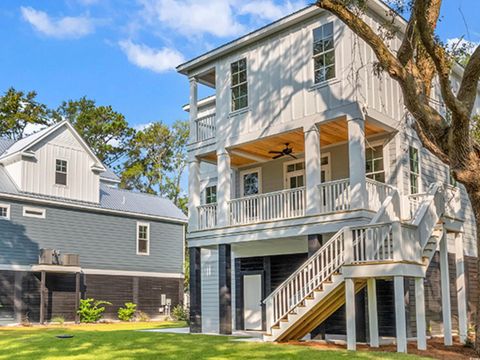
(55, 162)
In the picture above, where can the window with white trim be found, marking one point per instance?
(143, 238)
(374, 166)
(61, 172)
(34, 212)
(239, 84)
(414, 160)
(4, 211)
(211, 194)
(323, 53)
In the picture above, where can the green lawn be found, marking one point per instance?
(120, 341)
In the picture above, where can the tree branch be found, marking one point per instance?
(469, 86)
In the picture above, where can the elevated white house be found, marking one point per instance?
(314, 210)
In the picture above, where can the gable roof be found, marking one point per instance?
(377, 6)
(23, 145)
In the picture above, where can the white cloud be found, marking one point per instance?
(157, 60)
(63, 27)
(269, 10)
(141, 127)
(33, 128)
(195, 17)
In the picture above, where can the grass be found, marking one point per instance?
(120, 341)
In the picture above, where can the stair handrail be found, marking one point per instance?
(325, 272)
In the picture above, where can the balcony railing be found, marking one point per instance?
(334, 196)
(207, 216)
(285, 204)
(205, 128)
(377, 193)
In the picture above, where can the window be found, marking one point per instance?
(143, 238)
(239, 85)
(4, 211)
(34, 212)
(414, 170)
(251, 182)
(211, 194)
(294, 174)
(374, 167)
(60, 172)
(323, 53)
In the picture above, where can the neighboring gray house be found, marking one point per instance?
(67, 232)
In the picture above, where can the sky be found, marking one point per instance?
(124, 52)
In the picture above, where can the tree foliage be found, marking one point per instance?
(18, 110)
(156, 161)
(420, 59)
(104, 129)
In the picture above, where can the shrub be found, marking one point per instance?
(126, 313)
(142, 316)
(91, 310)
(58, 319)
(179, 313)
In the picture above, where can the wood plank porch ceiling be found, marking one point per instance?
(331, 133)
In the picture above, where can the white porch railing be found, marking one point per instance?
(205, 128)
(372, 243)
(207, 216)
(276, 205)
(334, 196)
(377, 192)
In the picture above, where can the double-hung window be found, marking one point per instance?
(374, 167)
(143, 238)
(239, 84)
(211, 194)
(414, 170)
(323, 53)
(60, 172)
(4, 211)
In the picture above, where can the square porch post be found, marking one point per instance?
(356, 155)
(194, 193)
(195, 290)
(445, 285)
(461, 288)
(400, 317)
(225, 288)
(350, 314)
(313, 165)
(223, 187)
(372, 312)
(420, 314)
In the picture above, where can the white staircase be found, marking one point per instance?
(317, 288)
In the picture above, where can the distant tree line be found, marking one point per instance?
(150, 160)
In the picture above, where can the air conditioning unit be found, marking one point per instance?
(70, 260)
(46, 256)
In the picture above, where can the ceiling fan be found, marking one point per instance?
(285, 152)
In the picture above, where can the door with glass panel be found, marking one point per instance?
(294, 178)
(250, 183)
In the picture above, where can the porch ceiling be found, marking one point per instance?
(253, 152)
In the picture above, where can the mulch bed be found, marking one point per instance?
(435, 349)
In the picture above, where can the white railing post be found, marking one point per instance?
(223, 188)
(312, 169)
(397, 241)
(194, 193)
(356, 155)
(348, 243)
(461, 289)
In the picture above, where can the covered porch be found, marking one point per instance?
(332, 167)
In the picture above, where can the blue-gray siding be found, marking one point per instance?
(104, 241)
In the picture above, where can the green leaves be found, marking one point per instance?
(105, 130)
(19, 109)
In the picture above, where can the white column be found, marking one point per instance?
(445, 285)
(356, 155)
(193, 111)
(223, 187)
(350, 314)
(372, 312)
(420, 314)
(313, 165)
(193, 193)
(400, 318)
(461, 289)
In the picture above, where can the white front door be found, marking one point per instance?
(294, 174)
(326, 168)
(252, 298)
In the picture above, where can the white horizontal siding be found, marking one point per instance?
(210, 293)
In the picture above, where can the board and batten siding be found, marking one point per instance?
(210, 290)
(103, 241)
(38, 175)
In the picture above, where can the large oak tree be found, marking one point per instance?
(420, 60)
